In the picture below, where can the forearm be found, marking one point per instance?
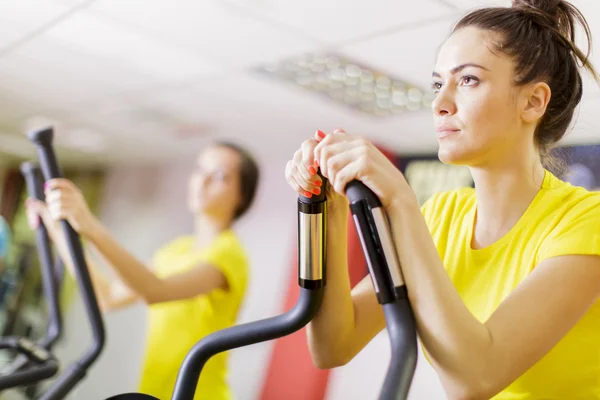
(132, 272)
(334, 322)
(111, 295)
(101, 284)
(455, 340)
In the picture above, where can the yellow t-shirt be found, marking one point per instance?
(174, 327)
(561, 220)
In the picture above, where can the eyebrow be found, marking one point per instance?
(459, 68)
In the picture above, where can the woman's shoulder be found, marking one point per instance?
(229, 241)
(570, 200)
(442, 209)
(176, 245)
(571, 223)
(449, 200)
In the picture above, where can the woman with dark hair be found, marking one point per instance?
(503, 278)
(197, 282)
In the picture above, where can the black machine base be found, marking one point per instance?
(132, 396)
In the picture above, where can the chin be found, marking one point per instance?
(195, 207)
(453, 155)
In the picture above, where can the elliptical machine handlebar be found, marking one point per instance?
(378, 246)
(33, 180)
(384, 268)
(41, 364)
(35, 188)
(311, 278)
(68, 380)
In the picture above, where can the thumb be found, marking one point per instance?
(40, 209)
(32, 212)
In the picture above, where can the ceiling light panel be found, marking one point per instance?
(351, 84)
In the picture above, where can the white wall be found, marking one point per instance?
(144, 208)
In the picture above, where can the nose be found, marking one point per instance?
(444, 103)
(204, 180)
(200, 180)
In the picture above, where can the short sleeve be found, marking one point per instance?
(5, 238)
(228, 256)
(577, 232)
(429, 206)
(440, 207)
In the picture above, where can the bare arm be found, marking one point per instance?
(65, 201)
(111, 295)
(142, 281)
(475, 359)
(347, 320)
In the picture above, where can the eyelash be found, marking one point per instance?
(436, 86)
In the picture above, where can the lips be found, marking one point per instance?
(446, 130)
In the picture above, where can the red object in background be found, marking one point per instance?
(10, 194)
(291, 374)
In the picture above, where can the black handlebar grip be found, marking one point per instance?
(356, 191)
(35, 186)
(43, 139)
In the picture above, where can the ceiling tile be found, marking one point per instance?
(333, 21)
(11, 109)
(44, 75)
(30, 13)
(210, 27)
(19, 18)
(11, 33)
(408, 55)
(114, 42)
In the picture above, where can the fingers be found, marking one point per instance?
(301, 171)
(307, 153)
(291, 180)
(343, 177)
(37, 211)
(60, 194)
(59, 183)
(298, 181)
(320, 135)
(59, 212)
(61, 203)
(32, 212)
(333, 147)
(343, 167)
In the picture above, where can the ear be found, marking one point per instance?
(537, 99)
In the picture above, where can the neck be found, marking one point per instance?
(504, 193)
(207, 228)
